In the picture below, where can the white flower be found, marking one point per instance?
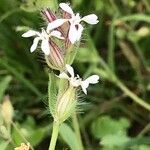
(76, 28)
(77, 81)
(44, 36)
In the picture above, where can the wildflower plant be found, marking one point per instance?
(59, 43)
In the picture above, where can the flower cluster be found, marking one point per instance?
(58, 42)
(75, 27)
(60, 33)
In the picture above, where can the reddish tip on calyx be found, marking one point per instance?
(50, 16)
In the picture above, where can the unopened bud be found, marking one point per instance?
(55, 59)
(66, 104)
(7, 110)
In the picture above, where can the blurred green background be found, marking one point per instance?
(116, 113)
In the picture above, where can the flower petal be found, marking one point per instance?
(79, 33)
(70, 70)
(34, 45)
(84, 86)
(30, 33)
(45, 47)
(73, 34)
(63, 75)
(56, 34)
(91, 19)
(55, 24)
(66, 8)
(92, 79)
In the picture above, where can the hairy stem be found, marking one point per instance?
(54, 136)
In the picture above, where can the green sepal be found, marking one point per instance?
(63, 86)
(66, 104)
(70, 54)
(52, 92)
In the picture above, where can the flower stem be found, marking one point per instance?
(145, 130)
(54, 135)
(134, 97)
(77, 130)
(122, 86)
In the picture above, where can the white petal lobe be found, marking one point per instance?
(30, 33)
(91, 19)
(70, 70)
(93, 79)
(45, 47)
(34, 45)
(73, 34)
(66, 8)
(55, 24)
(79, 33)
(63, 76)
(90, 80)
(56, 34)
(84, 86)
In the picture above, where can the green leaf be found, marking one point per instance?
(36, 136)
(118, 140)
(4, 85)
(105, 125)
(69, 137)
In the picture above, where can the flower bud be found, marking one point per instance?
(7, 110)
(66, 104)
(55, 59)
